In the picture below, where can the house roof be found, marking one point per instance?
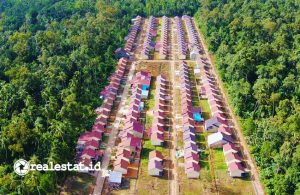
(115, 177)
(121, 163)
(96, 134)
(233, 156)
(92, 143)
(86, 161)
(133, 142)
(89, 152)
(191, 156)
(191, 166)
(189, 129)
(188, 136)
(136, 126)
(213, 121)
(101, 120)
(154, 164)
(98, 127)
(226, 130)
(216, 137)
(157, 136)
(123, 152)
(155, 154)
(230, 147)
(190, 146)
(236, 166)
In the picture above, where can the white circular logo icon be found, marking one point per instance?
(21, 167)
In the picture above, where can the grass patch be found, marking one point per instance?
(219, 159)
(180, 140)
(204, 165)
(148, 147)
(148, 121)
(200, 137)
(205, 109)
(150, 103)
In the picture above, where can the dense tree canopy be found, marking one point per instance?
(55, 57)
(257, 48)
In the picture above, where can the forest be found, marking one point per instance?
(56, 55)
(257, 50)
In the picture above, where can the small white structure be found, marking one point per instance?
(197, 71)
(217, 140)
(115, 177)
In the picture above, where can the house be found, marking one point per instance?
(180, 39)
(189, 129)
(135, 128)
(123, 153)
(192, 170)
(156, 155)
(121, 53)
(121, 165)
(217, 140)
(225, 130)
(115, 179)
(89, 153)
(155, 168)
(85, 165)
(216, 110)
(157, 139)
(131, 143)
(220, 114)
(189, 137)
(92, 144)
(190, 146)
(232, 157)
(236, 170)
(212, 124)
(189, 155)
(230, 148)
(88, 136)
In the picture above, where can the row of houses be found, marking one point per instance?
(115, 80)
(159, 111)
(131, 135)
(193, 44)
(148, 43)
(182, 48)
(87, 149)
(219, 125)
(191, 156)
(164, 38)
(155, 163)
(130, 39)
